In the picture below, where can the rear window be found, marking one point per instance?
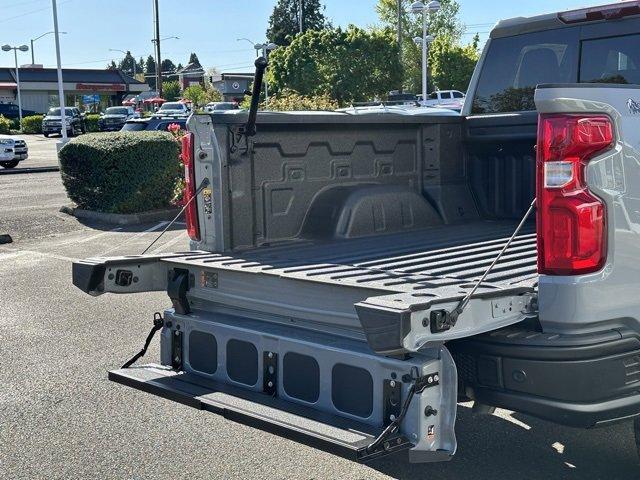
(134, 126)
(515, 65)
(611, 60)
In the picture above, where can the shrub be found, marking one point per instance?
(288, 100)
(121, 172)
(32, 124)
(92, 122)
(5, 125)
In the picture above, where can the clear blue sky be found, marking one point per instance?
(208, 27)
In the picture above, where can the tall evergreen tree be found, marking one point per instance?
(193, 58)
(127, 64)
(167, 66)
(112, 66)
(150, 71)
(284, 22)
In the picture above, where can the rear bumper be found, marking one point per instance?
(581, 380)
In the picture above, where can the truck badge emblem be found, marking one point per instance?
(634, 106)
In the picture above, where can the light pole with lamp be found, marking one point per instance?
(22, 48)
(33, 59)
(425, 9)
(263, 48)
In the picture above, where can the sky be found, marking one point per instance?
(208, 27)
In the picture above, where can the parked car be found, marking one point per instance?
(11, 111)
(173, 108)
(12, 151)
(75, 119)
(153, 123)
(360, 275)
(113, 118)
(220, 106)
(451, 98)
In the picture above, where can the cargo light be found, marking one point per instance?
(571, 220)
(604, 12)
(191, 213)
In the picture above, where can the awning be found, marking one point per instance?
(155, 100)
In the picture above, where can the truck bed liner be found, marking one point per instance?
(438, 257)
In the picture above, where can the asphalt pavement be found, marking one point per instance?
(61, 418)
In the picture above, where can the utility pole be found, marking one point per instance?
(300, 15)
(399, 37)
(156, 41)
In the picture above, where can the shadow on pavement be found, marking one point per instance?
(491, 447)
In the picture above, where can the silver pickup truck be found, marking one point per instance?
(353, 276)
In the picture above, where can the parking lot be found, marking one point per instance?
(62, 418)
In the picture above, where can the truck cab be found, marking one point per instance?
(353, 276)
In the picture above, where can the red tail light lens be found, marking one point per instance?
(571, 220)
(191, 213)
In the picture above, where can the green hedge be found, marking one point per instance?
(5, 125)
(32, 124)
(92, 122)
(121, 172)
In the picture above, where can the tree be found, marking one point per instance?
(349, 65)
(284, 21)
(444, 53)
(167, 66)
(150, 71)
(200, 96)
(451, 64)
(193, 58)
(171, 90)
(128, 64)
(112, 66)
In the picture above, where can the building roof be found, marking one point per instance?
(72, 75)
(191, 68)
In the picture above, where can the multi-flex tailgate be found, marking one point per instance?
(394, 309)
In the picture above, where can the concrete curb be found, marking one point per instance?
(17, 171)
(119, 218)
(5, 238)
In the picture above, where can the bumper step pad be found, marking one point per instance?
(320, 430)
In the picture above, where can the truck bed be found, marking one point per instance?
(447, 255)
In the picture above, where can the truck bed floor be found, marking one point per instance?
(441, 256)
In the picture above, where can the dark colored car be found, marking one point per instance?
(153, 123)
(12, 112)
(114, 118)
(76, 123)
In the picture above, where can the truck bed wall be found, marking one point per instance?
(311, 177)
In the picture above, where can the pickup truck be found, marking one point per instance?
(352, 277)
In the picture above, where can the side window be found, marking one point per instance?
(514, 66)
(433, 96)
(611, 60)
(458, 95)
(445, 95)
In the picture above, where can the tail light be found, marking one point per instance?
(572, 227)
(191, 213)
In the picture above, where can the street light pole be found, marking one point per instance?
(63, 120)
(22, 48)
(425, 58)
(156, 41)
(33, 60)
(420, 8)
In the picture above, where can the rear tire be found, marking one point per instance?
(11, 164)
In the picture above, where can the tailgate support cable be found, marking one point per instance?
(450, 318)
(158, 323)
(203, 185)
